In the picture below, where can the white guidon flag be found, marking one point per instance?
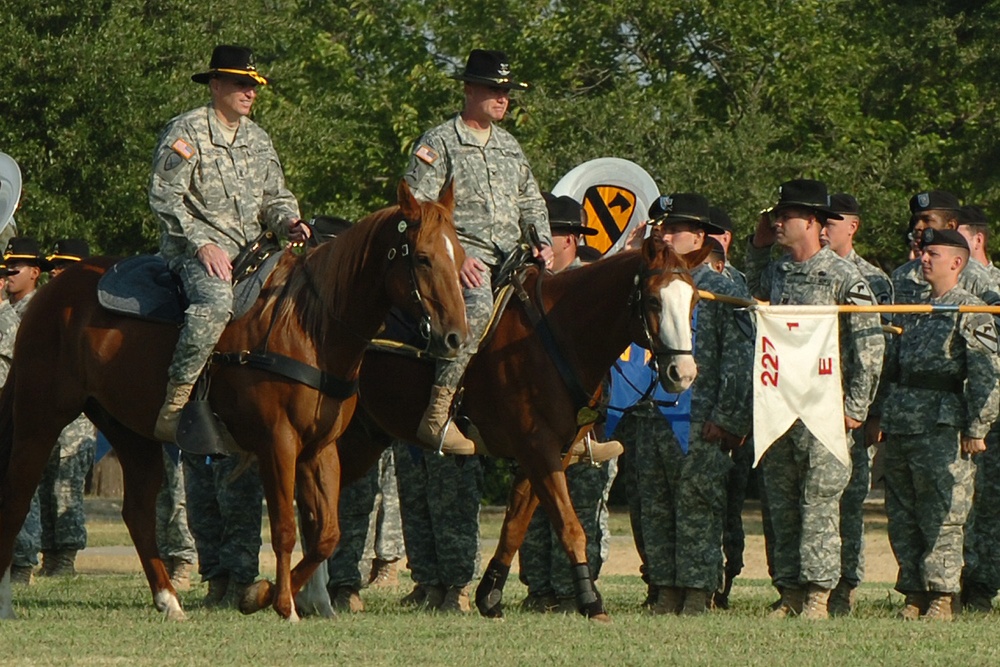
(796, 375)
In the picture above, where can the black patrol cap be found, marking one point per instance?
(948, 237)
(683, 207)
(933, 200)
(566, 216)
(844, 204)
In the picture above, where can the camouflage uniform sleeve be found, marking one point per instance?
(982, 390)
(174, 164)
(734, 344)
(759, 271)
(427, 170)
(863, 360)
(279, 205)
(533, 210)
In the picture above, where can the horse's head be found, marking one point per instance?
(667, 296)
(430, 289)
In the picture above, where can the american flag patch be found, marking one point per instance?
(183, 149)
(427, 154)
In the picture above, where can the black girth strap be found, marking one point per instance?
(292, 369)
(581, 397)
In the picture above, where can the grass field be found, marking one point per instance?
(105, 617)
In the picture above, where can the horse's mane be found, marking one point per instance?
(320, 281)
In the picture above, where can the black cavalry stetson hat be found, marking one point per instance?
(24, 249)
(235, 61)
(69, 250)
(805, 193)
(933, 200)
(489, 68)
(720, 219)
(683, 207)
(566, 216)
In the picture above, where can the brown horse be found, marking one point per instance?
(320, 308)
(523, 405)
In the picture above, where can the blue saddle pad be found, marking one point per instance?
(144, 287)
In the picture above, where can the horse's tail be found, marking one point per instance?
(6, 423)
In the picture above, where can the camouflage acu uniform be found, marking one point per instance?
(852, 524)
(496, 201)
(205, 190)
(8, 332)
(945, 382)
(683, 496)
(357, 500)
(224, 514)
(981, 575)
(173, 536)
(439, 498)
(803, 480)
(385, 532)
(60, 492)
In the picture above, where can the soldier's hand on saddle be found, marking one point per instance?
(544, 253)
(764, 234)
(472, 272)
(298, 230)
(216, 261)
(973, 445)
(712, 432)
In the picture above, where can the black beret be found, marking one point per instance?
(971, 214)
(933, 200)
(845, 204)
(948, 237)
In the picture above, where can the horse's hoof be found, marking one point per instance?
(167, 602)
(175, 614)
(603, 619)
(257, 596)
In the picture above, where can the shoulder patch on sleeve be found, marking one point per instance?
(182, 148)
(860, 294)
(426, 153)
(987, 335)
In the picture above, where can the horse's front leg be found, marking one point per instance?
(521, 506)
(318, 492)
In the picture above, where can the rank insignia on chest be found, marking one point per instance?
(427, 154)
(183, 149)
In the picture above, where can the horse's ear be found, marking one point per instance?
(408, 204)
(697, 257)
(447, 198)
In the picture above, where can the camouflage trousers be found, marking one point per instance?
(173, 537)
(852, 513)
(385, 532)
(224, 514)
(628, 431)
(543, 564)
(928, 493)
(804, 482)
(439, 499)
(683, 500)
(982, 529)
(56, 520)
(211, 306)
(478, 309)
(354, 510)
(733, 536)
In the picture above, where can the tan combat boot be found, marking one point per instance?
(180, 574)
(384, 573)
(170, 414)
(815, 607)
(914, 606)
(842, 599)
(695, 602)
(347, 599)
(791, 603)
(669, 600)
(597, 452)
(456, 600)
(940, 607)
(436, 429)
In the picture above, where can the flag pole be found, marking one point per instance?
(851, 308)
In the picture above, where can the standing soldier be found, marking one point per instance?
(682, 485)
(802, 478)
(942, 398)
(838, 236)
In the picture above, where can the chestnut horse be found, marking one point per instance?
(522, 404)
(320, 308)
